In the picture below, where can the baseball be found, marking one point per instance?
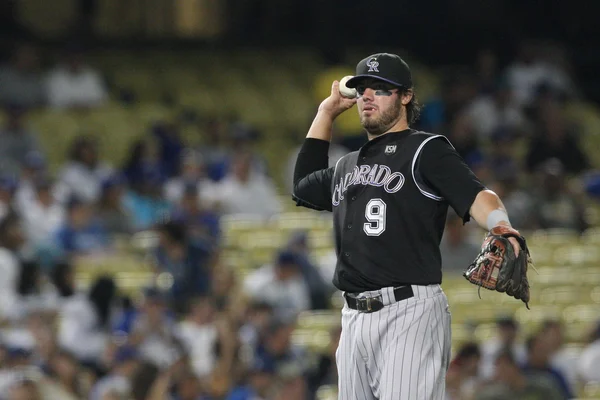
(345, 91)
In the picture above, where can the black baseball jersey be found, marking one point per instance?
(389, 201)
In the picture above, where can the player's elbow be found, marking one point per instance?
(298, 194)
(486, 198)
(303, 197)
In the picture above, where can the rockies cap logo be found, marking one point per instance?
(372, 64)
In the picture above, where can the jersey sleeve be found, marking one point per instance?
(444, 170)
(312, 177)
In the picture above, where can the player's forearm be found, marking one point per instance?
(321, 126)
(488, 211)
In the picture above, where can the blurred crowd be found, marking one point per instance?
(509, 366)
(209, 334)
(206, 334)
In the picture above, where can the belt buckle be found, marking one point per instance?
(365, 304)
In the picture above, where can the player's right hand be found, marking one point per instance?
(336, 104)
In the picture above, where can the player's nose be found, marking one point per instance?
(369, 94)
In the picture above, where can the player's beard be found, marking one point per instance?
(387, 119)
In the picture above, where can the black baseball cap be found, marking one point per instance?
(385, 67)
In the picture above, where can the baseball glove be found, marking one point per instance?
(497, 268)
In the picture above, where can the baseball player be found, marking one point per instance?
(389, 201)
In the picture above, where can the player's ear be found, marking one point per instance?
(406, 96)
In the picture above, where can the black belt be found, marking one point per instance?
(373, 304)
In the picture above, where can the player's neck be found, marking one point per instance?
(399, 126)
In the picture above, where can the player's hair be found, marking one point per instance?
(413, 108)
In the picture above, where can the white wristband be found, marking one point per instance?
(495, 217)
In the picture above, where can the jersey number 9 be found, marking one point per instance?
(375, 215)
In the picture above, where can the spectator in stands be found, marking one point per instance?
(507, 177)
(81, 233)
(75, 84)
(21, 82)
(256, 319)
(325, 372)
(188, 262)
(118, 380)
(456, 248)
(191, 171)
(486, 67)
(276, 348)
(506, 338)
(199, 335)
(281, 285)
(258, 383)
(84, 172)
(142, 381)
(457, 89)
(143, 161)
(509, 383)
(34, 168)
(201, 223)
(539, 352)
(216, 149)
(44, 215)
(86, 318)
(209, 341)
(11, 241)
(152, 330)
(224, 282)
(144, 201)
(496, 110)
(462, 380)
(8, 186)
(244, 139)
(34, 293)
(170, 147)
(243, 191)
(26, 389)
(554, 139)
(591, 184)
(589, 359)
(16, 140)
(467, 144)
(502, 153)
(551, 332)
(292, 386)
(65, 369)
(111, 210)
(62, 277)
(189, 387)
(319, 292)
(529, 70)
(554, 203)
(18, 364)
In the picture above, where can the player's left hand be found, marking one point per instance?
(502, 264)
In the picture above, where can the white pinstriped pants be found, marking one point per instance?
(400, 352)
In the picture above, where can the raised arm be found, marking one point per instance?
(312, 177)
